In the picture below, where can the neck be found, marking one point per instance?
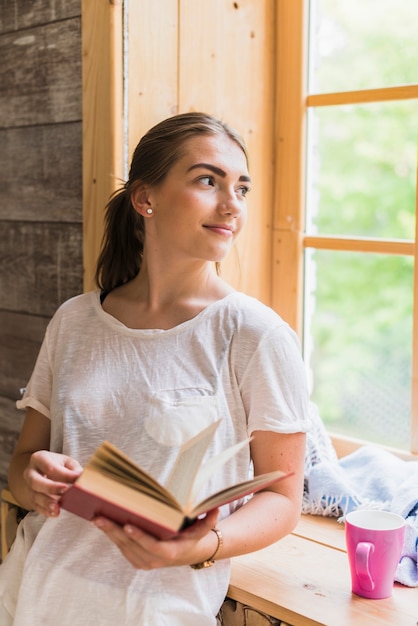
(165, 299)
(159, 288)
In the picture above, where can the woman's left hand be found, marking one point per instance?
(143, 551)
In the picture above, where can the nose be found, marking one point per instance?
(230, 205)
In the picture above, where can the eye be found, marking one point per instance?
(243, 190)
(207, 180)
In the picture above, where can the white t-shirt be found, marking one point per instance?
(146, 391)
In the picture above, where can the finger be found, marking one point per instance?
(56, 466)
(47, 478)
(112, 530)
(42, 484)
(73, 465)
(146, 552)
(62, 473)
(126, 542)
(147, 542)
(44, 505)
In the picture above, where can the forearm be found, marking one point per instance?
(34, 436)
(17, 484)
(269, 515)
(266, 518)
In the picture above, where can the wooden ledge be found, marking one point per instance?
(304, 579)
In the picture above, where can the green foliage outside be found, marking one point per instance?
(363, 171)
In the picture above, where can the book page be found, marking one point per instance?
(182, 476)
(235, 492)
(111, 461)
(205, 471)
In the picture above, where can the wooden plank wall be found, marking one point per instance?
(40, 186)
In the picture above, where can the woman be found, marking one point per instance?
(161, 350)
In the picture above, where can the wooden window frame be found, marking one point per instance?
(292, 30)
(103, 139)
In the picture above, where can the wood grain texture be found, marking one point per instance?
(102, 87)
(40, 187)
(40, 75)
(290, 119)
(40, 265)
(11, 421)
(227, 68)
(384, 94)
(19, 14)
(41, 173)
(304, 579)
(149, 58)
(20, 339)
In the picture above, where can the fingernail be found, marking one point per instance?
(52, 508)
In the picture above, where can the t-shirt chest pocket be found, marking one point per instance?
(176, 415)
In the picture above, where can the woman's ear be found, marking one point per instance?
(141, 201)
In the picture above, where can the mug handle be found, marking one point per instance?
(363, 552)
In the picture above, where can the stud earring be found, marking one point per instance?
(149, 211)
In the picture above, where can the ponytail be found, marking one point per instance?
(123, 243)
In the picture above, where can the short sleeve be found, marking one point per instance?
(274, 384)
(37, 394)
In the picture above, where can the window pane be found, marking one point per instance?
(362, 170)
(358, 341)
(361, 44)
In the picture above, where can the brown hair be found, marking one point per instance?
(158, 150)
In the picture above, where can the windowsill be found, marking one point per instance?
(346, 445)
(304, 579)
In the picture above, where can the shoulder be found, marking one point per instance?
(77, 308)
(251, 315)
(248, 324)
(79, 303)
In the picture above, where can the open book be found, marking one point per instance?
(113, 486)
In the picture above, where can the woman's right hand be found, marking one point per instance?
(37, 477)
(48, 475)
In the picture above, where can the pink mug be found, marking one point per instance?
(374, 545)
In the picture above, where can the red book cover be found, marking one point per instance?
(87, 505)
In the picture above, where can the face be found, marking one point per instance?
(200, 208)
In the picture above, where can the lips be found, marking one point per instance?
(221, 229)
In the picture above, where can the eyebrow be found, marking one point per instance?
(217, 170)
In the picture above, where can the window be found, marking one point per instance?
(360, 320)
